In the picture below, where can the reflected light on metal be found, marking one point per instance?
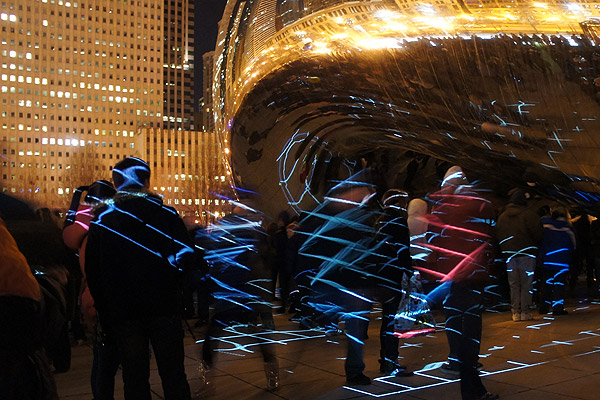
(306, 89)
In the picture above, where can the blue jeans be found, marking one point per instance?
(463, 308)
(553, 289)
(356, 314)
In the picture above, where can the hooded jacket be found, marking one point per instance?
(518, 231)
(136, 251)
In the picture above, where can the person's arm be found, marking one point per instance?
(182, 253)
(74, 233)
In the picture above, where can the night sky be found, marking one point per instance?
(208, 14)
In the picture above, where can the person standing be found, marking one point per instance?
(393, 235)
(519, 232)
(460, 226)
(136, 252)
(556, 253)
(106, 360)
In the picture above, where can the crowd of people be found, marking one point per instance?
(139, 266)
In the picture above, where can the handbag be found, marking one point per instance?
(414, 316)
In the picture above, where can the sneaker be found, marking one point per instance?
(272, 374)
(360, 379)
(526, 316)
(516, 317)
(543, 310)
(450, 369)
(560, 312)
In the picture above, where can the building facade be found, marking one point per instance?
(208, 66)
(77, 81)
(178, 77)
(188, 170)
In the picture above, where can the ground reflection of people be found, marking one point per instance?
(460, 224)
(235, 248)
(136, 251)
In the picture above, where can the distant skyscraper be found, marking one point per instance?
(188, 169)
(288, 12)
(178, 54)
(312, 6)
(208, 64)
(263, 21)
(77, 80)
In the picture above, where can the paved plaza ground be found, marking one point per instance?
(549, 358)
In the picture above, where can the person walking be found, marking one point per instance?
(519, 232)
(136, 252)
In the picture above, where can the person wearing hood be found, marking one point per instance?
(460, 229)
(136, 253)
(519, 231)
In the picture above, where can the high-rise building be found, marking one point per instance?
(288, 12)
(189, 170)
(263, 26)
(208, 66)
(77, 80)
(178, 77)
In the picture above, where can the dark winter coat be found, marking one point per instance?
(518, 231)
(137, 249)
(393, 238)
(557, 245)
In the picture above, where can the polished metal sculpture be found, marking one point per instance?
(307, 92)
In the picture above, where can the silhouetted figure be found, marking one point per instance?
(24, 370)
(235, 248)
(137, 249)
(106, 358)
(519, 232)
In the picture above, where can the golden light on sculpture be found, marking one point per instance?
(508, 89)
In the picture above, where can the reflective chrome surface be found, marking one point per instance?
(306, 92)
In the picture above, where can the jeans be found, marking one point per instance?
(463, 307)
(553, 289)
(520, 271)
(389, 342)
(356, 313)
(166, 336)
